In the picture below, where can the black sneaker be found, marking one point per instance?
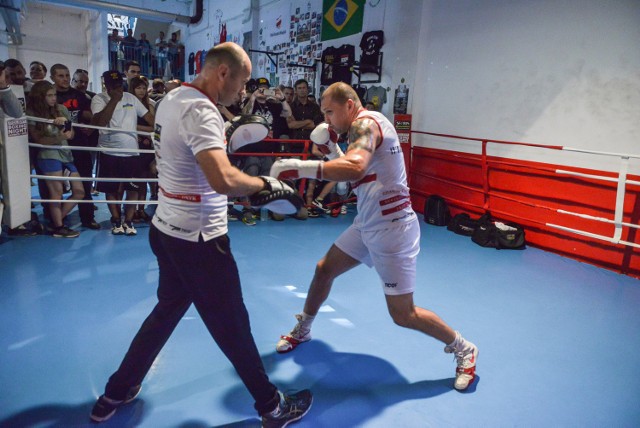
(21, 230)
(64, 232)
(92, 224)
(105, 407)
(291, 408)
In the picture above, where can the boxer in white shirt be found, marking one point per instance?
(385, 233)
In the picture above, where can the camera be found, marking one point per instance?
(269, 92)
(66, 127)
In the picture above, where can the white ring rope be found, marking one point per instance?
(100, 128)
(93, 149)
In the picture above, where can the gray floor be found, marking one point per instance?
(557, 338)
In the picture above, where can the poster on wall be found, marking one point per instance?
(341, 18)
(293, 41)
(120, 23)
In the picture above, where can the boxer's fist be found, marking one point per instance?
(326, 141)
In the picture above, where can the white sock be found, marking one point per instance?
(276, 412)
(306, 320)
(459, 343)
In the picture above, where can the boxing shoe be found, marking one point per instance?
(466, 365)
(300, 333)
(292, 407)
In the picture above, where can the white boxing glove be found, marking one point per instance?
(292, 169)
(326, 140)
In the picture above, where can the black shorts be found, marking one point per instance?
(117, 167)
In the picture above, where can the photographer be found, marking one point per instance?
(270, 104)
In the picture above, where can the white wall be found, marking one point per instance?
(52, 37)
(549, 72)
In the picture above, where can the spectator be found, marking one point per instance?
(17, 74)
(174, 51)
(147, 166)
(158, 90)
(161, 53)
(268, 103)
(144, 47)
(131, 70)
(288, 94)
(119, 110)
(80, 82)
(172, 84)
(79, 107)
(305, 115)
(169, 86)
(114, 47)
(37, 71)
(41, 102)
(128, 45)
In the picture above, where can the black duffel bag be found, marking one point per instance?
(463, 224)
(498, 235)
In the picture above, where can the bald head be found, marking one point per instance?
(227, 68)
(340, 92)
(227, 53)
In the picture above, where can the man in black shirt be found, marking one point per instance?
(305, 115)
(79, 107)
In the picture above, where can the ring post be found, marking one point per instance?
(16, 185)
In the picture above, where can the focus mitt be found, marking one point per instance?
(276, 196)
(243, 130)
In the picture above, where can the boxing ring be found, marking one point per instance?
(595, 208)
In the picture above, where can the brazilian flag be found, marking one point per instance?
(341, 18)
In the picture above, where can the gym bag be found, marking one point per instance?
(462, 224)
(436, 211)
(498, 235)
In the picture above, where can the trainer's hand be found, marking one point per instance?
(291, 169)
(277, 196)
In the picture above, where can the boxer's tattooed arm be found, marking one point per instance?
(363, 135)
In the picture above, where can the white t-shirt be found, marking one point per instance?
(125, 116)
(188, 122)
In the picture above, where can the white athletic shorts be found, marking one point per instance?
(393, 252)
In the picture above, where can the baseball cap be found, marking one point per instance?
(112, 77)
(262, 81)
(251, 85)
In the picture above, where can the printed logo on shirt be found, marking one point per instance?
(127, 106)
(391, 284)
(156, 132)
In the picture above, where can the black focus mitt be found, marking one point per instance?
(276, 196)
(246, 129)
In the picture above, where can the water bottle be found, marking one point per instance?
(264, 214)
